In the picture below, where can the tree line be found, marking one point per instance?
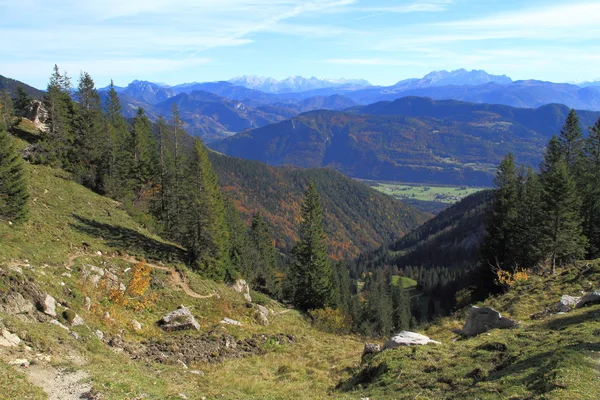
(548, 218)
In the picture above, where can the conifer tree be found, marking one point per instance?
(591, 191)
(22, 102)
(177, 134)
(499, 245)
(262, 275)
(6, 110)
(164, 209)
(530, 218)
(13, 185)
(203, 222)
(401, 307)
(562, 232)
(571, 141)
(241, 251)
(145, 153)
(310, 272)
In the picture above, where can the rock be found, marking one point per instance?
(99, 334)
(92, 273)
(482, 319)
(196, 372)
(75, 335)
(13, 303)
(21, 362)
(180, 319)
(88, 303)
(262, 315)
(182, 364)
(17, 269)
(47, 305)
(566, 303)
(37, 114)
(136, 325)
(55, 322)
(8, 339)
(182, 396)
(589, 299)
(229, 321)
(369, 350)
(406, 338)
(241, 286)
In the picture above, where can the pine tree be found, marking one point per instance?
(401, 307)
(203, 222)
(119, 165)
(13, 185)
(241, 251)
(571, 141)
(500, 246)
(22, 102)
(310, 272)
(177, 134)
(591, 191)
(145, 153)
(6, 110)
(262, 275)
(562, 232)
(164, 209)
(530, 218)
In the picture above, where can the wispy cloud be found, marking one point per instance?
(369, 62)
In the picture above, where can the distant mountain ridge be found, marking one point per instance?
(409, 140)
(294, 84)
(459, 77)
(10, 85)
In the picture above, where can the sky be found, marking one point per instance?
(383, 41)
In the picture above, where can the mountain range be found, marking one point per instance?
(409, 140)
(294, 83)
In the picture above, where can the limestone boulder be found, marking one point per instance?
(241, 286)
(13, 303)
(8, 339)
(229, 321)
(179, 320)
(406, 338)
(369, 351)
(262, 315)
(47, 305)
(566, 303)
(589, 299)
(483, 319)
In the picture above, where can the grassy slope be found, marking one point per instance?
(553, 358)
(63, 215)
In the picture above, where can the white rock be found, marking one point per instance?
(48, 305)
(229, 321)
(241, 286)
(20, 362)
(88, 303)
(196, 372)
(262, 315)
(55, 322)
(75, 335)
(182, 364)
(77, 321)
(99, 334)
(406, 338)
(566, 303)
(483, 319)
(588, 299)
(136, 325)
(180, 319)
(8, 339)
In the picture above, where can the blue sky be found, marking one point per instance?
(383, 41)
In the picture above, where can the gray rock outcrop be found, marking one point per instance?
(370, 350)
(482, 319)
(406, 338)
(262, 315)
(13, 303)
(229, 321)
(589, 299)
(47, 305)
(566, 303)
(178, 320)
(241, 286)
(8, 339)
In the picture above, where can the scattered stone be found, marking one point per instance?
(88, 303)
(92, 273)
(183, 365)
(21, 362)
(13, 303)
(17, 269)
(406, 338)
(43, 357)
(73, 318)
(566, 303)
(47, 305)
(182, 396)
(229, 321)
(106, 315)
(55, 322)
(370, 350)
(180, 319)
(75, 335)
(99, 253)
(262, 315)
(483, 319)
(589, 299)
(196, 372)
(241, 286)
(8, 339)
(99, 334)
(136, 325)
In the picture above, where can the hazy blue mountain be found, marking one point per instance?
(459, 77)
(409, 140)
(10, 85)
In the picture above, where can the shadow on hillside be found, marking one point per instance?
(130, 241)
(24, 135)
(560, 323)
(545, 366)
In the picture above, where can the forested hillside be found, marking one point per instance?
(357, 218)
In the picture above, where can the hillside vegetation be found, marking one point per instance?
(410, 140)
(357, 218)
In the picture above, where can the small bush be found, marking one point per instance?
(69, 316)
(331, 320)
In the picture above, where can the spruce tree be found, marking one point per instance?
(591, 191)
(241, 250)
(203, 222)
(6, 110)
(310, 272)
(571, 141)
(22, 102)
(13, 185)
(499, 247)
(401, 307)
(562, 232)
(530, 218)
(145, 153)
(262, 275)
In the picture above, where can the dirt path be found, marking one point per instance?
(60, 384)
(176, 278)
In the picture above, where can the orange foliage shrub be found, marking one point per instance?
(509, 279)
(134, 294)
(331, 320)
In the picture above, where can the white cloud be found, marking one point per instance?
(369, 62)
